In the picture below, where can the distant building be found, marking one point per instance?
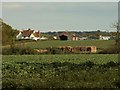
(35, 36)
(83, 38)
(55, 37)
(28, 34)
(104, 37)
(64, 36)
(43, 38)
(74, 37)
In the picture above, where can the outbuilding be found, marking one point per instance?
(64, 36)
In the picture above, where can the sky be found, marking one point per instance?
(60, 0)
(60, 16)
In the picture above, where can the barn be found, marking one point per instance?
(63, 36)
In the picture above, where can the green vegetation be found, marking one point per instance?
(28, 47)
(8, 34)
(74, 58)
(98, 43)
(54, 43)
(60, 71)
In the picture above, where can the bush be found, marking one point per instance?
(17, 51)
(117, 83)
(110, 64)
(113, 50)
(54, 50)
(89, 63)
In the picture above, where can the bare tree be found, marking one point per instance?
(117, 26)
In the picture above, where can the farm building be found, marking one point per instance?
(43, 38)
(83, 38)
(64, 36)
(68, 36)
(104, 37)
(79, 49)
(28, 34)
(74, 37)
(91, 49)
(55, 37)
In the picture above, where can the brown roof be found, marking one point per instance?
(64, 33)
(75, 35)
(27, 33)
(36, 34)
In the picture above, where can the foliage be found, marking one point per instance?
(15, 50)
(111, 50)
(56, 50)
(27, 71)
(8, 33)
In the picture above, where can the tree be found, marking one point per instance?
(8, 33)
(117, 26)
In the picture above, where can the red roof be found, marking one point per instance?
(36, 34)
(27, 33)
(64, 33)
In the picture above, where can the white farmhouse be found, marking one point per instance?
(55, 37)
(43, 38)
(20, 35)
(35, 36)
(28, 34)
(83, 38)
(104, 37)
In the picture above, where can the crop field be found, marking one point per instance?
(60, 71)
(55, 43)
(73, 58)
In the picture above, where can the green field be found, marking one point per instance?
(60, 71)
(73, 58)
(55, 43)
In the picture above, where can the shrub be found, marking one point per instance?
(17, 51)
(53, 50)
(117, 83)
(88, 64)
(113, 50)
(110, 64)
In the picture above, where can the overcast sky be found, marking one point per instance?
(53, 16)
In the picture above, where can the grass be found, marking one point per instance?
(55, 43)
